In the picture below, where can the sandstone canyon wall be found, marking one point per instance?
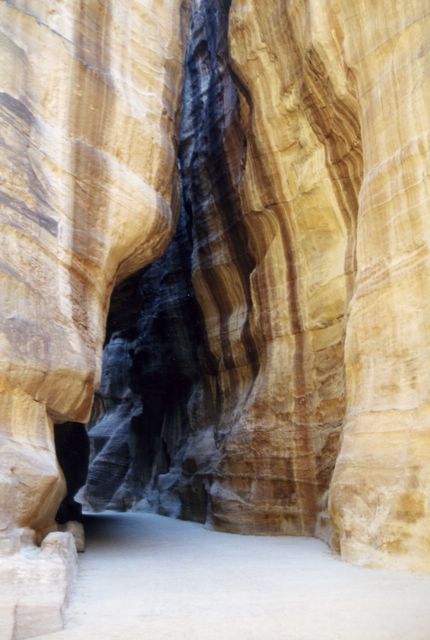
(264, 415)
(89, 98)
(269, 373)
(303, 181)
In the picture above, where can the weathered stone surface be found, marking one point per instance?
(89, 98)
(380, 490)
(150, 364)
(156, 444)
(302, 157)
(35, 585)
(270, 373)
(271, 270)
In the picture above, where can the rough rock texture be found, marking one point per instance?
(381, 486)
(150, 364)
(266, 410)
(303, 174)
(35, 584)
(158, 439)
(291, 307)
(89, 95)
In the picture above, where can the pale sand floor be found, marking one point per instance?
(148, 577)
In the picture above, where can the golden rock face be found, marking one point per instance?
(334, 195)
(299, 198)
(309, 249)
(380, 488)
(88, 107)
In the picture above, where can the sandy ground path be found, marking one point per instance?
(148, 577)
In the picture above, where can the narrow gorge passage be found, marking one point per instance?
(147, 576)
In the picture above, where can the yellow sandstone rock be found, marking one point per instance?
(299, 197)
(317, 331)
(89, 97)
(88, 106)
(342, 265)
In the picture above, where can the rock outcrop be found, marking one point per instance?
(269, 373)
(272, 271)
(303, 146)
(89, 99)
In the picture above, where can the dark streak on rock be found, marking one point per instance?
(47, 223)
(17, 107)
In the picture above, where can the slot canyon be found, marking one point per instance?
(213, 272)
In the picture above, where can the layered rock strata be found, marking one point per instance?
(380, 490)
(302, 158)
(269, 374)
(89, 95)
(271, 270)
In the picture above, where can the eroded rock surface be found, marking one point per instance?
(89, 98)
(269, 374)
(303, 145)
(272, 265)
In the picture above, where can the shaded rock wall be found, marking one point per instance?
(265, 410)
(180, 413)
(72, 447)
(150, 365)
(88, 185)
(302, 153)
(89, 96)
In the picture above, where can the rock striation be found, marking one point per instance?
(269, 373)
(89, 99)
(272, 269)
(379, 493)
(302, 154)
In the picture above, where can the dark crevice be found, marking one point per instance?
(159, 361)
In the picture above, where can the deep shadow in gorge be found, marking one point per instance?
(150, 365)
(222, 398)
(160, 387)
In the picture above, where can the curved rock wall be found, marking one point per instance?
(272, 266)
(303, 184)
(269, 374)
(89, 97)
(326, 84)
(298, 195)
(380, 490)
(88, 105)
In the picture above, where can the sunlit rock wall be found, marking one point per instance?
(270, 373)
(303, 169)
(324, 84)
(272, 260)
(298, 195)
(381, 487)
(89, 96)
